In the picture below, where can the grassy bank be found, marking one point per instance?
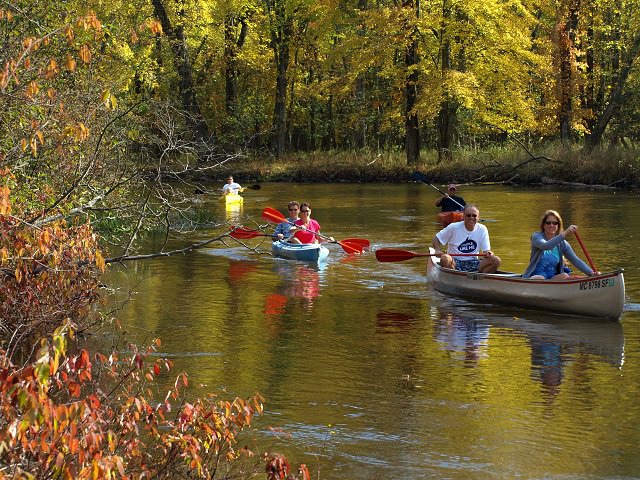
(616, 167)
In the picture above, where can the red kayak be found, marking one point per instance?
(446, 218)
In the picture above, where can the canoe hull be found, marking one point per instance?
(311, 252)
(450, 217)
(598, 296)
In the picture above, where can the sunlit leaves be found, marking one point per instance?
(5, 202)
(85, 53)
(89, 426)
(109, 100)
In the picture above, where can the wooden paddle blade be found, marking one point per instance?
(586, 253)
(351, 248)
(273, 215)
(362, 242)
(394, 255)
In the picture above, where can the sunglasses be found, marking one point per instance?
(293, 209)
(304, 211)
(548, 222)
(468, 215)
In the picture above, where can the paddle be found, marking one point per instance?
(419, 177)
(396, 255)
(244, 233)
(586, 254)
(273, 215)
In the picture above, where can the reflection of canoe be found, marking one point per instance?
(450, 217)
(233, 199)
(597, 296)
(585, 334)
(307, 252)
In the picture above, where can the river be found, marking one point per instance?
(370, 374)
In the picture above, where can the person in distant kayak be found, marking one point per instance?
(284, 230)
(467, 237)
(449, 201)
(231, 187)
(548, 249)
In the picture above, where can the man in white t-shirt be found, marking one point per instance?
(467, 237)
(231, 186)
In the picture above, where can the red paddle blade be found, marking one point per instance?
(242, 233)
(394, 255)
(351, 248)
(362, 242)
(273, 215)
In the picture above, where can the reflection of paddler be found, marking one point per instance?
(238, 270)
(307, 284)
(274, 304)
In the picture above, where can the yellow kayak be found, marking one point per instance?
(233, 199)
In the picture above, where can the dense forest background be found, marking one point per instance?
(277, 76)
(106, 105)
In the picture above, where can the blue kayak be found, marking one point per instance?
(306, 252)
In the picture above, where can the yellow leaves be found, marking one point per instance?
(109, 100)
(78, 131)
(100, 263)
(32, 89)
(4, 256)
(29, 42)
(90, 21)
(153, 25)
(52, 69)
(85, 53)
(70, 64)
(5, 203)
(68, 32)
(4, 77)
(44, 241)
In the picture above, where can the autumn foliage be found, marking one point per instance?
(55, 423)
(68, 412)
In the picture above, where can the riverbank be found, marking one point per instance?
(614, 168)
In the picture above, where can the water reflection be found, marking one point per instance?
(377, 376)
(551, 337)
(465, 337)
(233, 211)
(546, 363)
(239, 270)
(298, 282)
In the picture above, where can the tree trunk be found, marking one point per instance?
(232, 44)
(615, 97)
(281, 32)
(184, 69)
(447, 113)
(412, 127)
(566, 40)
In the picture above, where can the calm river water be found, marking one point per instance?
(370, 374)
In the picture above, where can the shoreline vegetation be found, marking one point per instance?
(612, 168)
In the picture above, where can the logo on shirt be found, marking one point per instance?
(468, 246)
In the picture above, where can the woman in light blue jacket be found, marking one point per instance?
(548, 249)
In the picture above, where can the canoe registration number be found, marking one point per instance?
(601, 283)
